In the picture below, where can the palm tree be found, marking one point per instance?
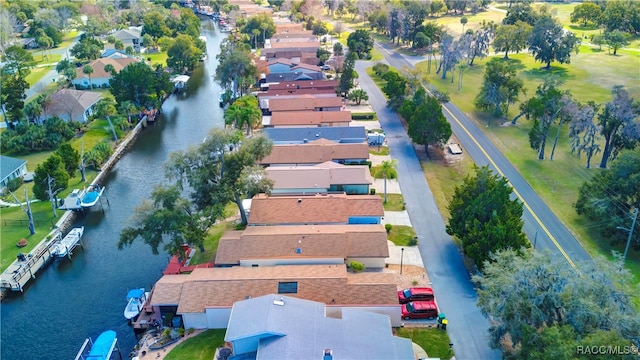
(110, 69)
(388, 170)
(233, 116)
(255, 33)
(88, 70)
(128, 107)
(251, 117)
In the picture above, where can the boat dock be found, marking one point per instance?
(64, 247)
(27, 265)
(104, 348)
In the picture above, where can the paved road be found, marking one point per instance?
(53, 74)
(540, 224)
(450, 280)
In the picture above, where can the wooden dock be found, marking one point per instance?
(21, 271)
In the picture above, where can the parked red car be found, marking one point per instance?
(420, 310)
(415, 294)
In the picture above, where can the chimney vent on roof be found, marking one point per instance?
(299, 200)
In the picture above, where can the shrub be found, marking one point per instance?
(413, 241)
(14, 184)
(363, 116)
(356, 266)
(181, 332)
(190, 331)
(414, 282)
(380, 69)
(372, 191)
(388, 227)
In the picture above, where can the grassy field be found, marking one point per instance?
(434, 341)
(68, 38)
(38, 73)
(200, 347)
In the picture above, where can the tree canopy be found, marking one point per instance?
(619, 125)
(608, 199)
(427, 124)
(139, 83)
(550, 42)
(484, 217)
(54, 166)
(542, 308)
(501, 87)
(360, 42)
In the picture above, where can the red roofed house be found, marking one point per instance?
(307, 119)
(100, 78)
(316, 152)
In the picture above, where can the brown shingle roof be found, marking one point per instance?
(99, 64)
(319, 176)
(318, 209)
(65, 101)
(273, 93)
(167, 290)
(341, 241)
(315, 152)
(314, 118)
(304, 102)
(329, 284)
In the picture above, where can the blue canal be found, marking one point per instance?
(72, 300)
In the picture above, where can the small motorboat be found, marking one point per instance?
(135, 301)
(92, 195)
(69, 242)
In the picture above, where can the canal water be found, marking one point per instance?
(73, 300)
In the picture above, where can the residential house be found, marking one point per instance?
(293, 76)
(316, 152)
(299, 55)
(307, 102)
(100, 77)
(322, 209)
(338, 134)
(320, 179)
(71, 104)
(11, 168)
(305, 84)
(204, 298)
(304, 245)
(307, 119)
(130, 37)
(114, 54)
(281, 65)
(27, 43)
(283, 327)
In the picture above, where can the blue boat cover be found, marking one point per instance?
(135, 293)
(102, 345)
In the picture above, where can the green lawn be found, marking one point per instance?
(379, 150)
(434, 341)
(443, 177)
(211, 243)
(395, 202)
(401, 234)
(38, 73)
(474, 21)
(200, 347)
(39, 58)
(156, 58)
(68, 38)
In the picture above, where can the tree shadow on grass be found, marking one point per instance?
(542, 72)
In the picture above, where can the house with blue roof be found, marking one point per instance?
(11, 168)
(283, 327)
(339, 134)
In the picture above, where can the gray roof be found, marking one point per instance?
(293, 76)
(8, 165)
(292, 328)
(341, 134)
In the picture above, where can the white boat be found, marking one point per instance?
(91, 195)
(64, 246)
(135, 301)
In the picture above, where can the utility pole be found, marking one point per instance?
(630, 231)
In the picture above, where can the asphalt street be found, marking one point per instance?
(454, 291)
(542, 227)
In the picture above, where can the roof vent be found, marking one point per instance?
(278, 302)
(299, 200)
(298, 251)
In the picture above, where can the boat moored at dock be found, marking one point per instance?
(64, 247)
(136, 299)
(104, 348)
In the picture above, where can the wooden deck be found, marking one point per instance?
(20, 272)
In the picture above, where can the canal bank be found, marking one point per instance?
(72, 300)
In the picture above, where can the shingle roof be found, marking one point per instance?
(304, 102)
(99, 64)
(311, 118)
(64, 101)
(320, 176)
(294, 76)
(315, 152)
(318, 209)
(9, 165)
(340, 134)
(300, 329)
(307, 67)
(332, 84)
(264, 242)
(329, 284)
